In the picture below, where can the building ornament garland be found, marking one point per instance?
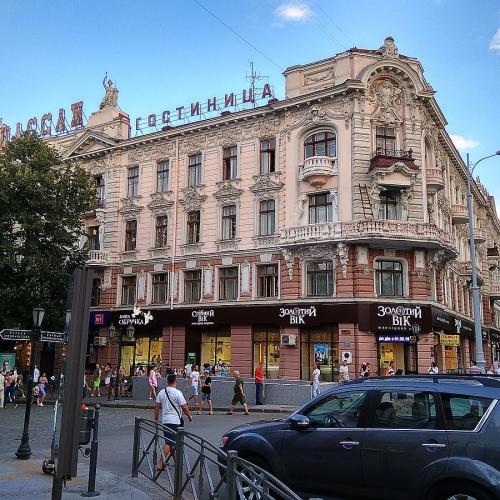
(228, 193)
(265, 186)
(338, 251)
(267, 128)
(159, 204)
(389, 49)
(193, 144)
(192, 199)
(311, 115)
(159, 152)
(439, 259)
(129, 207)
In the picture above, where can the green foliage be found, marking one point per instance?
(42, 205)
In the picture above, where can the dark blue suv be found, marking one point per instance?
(421, 437)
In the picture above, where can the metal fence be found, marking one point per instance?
(197, 469)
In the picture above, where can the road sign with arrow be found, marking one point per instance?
(52, 336)
(8, 334)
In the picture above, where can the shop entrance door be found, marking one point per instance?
(209, 346)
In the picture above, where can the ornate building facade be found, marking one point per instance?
(328, 225)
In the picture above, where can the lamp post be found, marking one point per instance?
(24, 450)
(115, 335)
(481, 363)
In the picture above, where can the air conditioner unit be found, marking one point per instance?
(288, 339)
(100, 341)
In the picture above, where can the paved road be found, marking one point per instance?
(115, 444)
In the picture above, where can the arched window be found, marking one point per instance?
(321, 144)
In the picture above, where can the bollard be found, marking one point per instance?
(91, 492)
(135, 458)
(230, 475)
(179, 464)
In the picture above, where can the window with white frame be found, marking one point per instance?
(228, 222)
(320, 278)
(100, 191)
(193, 227)
(162, 176)
(194, 170)
(228, 283)
(267, 217)
(128, 290)
(161, 231)
(389, 277)
(267, 156)
(320, 208)
(385, 141)
(93, 237)
(133, 181)
(267, 280)
(321, 144)
(159, 283)
(389, 205)
(230, 163)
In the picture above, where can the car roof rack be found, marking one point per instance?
(458, 378)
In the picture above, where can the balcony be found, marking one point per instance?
(479, 236)
(381, 233)
(494, 291)
(385, 158)
(493, 256)
(434, 180)
(98, 258)
(317, 170)
(465, 270)
(459, 214)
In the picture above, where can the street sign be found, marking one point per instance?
(7, 334)
(52, 336)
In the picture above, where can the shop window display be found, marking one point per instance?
(320, 346)
(145, 351)
(214, 347)
(266, 350)
(403, 355)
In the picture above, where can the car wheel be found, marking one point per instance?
(254, 477)
(460, 491)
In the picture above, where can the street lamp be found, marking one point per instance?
(24, 450)
(115, 335)
(481, 363)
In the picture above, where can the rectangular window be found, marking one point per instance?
(193, 227)
(266, 350)
(161, 231)
(389, 205)
(162, 175)
(320, 208)
(128, 290)
(229, 222)
(194, 170)
(406, 410)
(389, 277)
(230, 163)
(192, 285)
(228, 283)
(133, 181)
(386, 141)
(320, 278)
(463, 413)
(160, 288)
(130, 235)
(267, 218)
(93, 238)
(267, 156)
(95, 297)
(267, 280)
(99, 186)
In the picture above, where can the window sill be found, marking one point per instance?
(159, 251)
(128, 255)
(191, 248)
(227, 244)
(266, 241)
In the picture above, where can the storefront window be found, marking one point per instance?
(145, 351)
(320, 345)
(216, 346)
(266, 350)
(404, 356)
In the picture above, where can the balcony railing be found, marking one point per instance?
(317, 169)
(368, 230)
(98, 257)
(466, 271)
(383, 158)
(459, 214)
(434, 180)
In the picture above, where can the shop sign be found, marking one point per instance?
(99, 319)
(449, 339)
(397, 339)
(137, 318)
(297, 315)
(203, 317)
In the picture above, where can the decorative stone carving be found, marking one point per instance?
(207, 280)
(159, 204)
(193, 144)
(267, 128)
(439, 259)
(306, 117)
(289, 257)
(389, 48)
(302, 204)
(141, 285)
(129, 207)
(404, 200)
(387, 96)
(430, 209)
(158, 152)
(318, 76)
(192, 199)
(100, 216)
(106, 279)
(343, 255)
(110, 100)
(374, 193)
(264, 186)
(245, 277)
(228, 193)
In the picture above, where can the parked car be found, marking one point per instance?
(416, 437)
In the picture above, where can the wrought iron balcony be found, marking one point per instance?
(382, 232)
(384, 158)
(434, 180)
(459, 214)
(98, 257)
(317, 169)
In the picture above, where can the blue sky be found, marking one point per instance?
(163, 54)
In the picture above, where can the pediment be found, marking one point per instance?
(89, 142)
(228, 192)
(265, 185)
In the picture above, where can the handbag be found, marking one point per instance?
(175, 408)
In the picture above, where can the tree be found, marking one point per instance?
(43, 203)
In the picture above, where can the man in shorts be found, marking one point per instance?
(239, 395)
(96, 381)
(172, 404)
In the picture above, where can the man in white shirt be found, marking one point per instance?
(172, 404)
(344, 373)
(315, 381)
(195, 386)
(36, 375)
(187, 370)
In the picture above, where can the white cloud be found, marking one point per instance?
(293, 12)
(463, 143)
(495, 42)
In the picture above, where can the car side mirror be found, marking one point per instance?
(299, 422)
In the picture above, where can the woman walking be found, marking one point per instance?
(107, 379)
(315, 381)
(42, 383)
(153, 383)
(206, 395)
